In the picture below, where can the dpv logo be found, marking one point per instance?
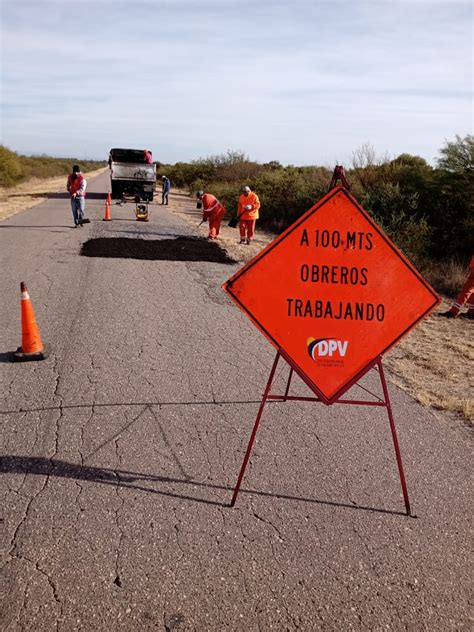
(322, 347)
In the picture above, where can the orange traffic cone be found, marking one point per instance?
(32, 347)
(109, 199)
(107, 217)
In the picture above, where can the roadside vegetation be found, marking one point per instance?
(15, 168)
(427, 211)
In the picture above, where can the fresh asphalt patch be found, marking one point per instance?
(179, 249)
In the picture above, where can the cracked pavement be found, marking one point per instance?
(120, 452)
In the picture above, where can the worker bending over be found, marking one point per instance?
(247, 212)
(212, 211)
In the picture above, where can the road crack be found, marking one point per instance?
(118, 581)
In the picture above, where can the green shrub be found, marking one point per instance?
(11, 168)
(427, 211)
(15, 168)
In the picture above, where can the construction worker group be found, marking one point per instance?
(247, 213)
(212, 210)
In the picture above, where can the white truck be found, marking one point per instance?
(131, 173)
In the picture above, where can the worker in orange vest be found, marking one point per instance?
(212, 211)
(466, 295)
(247, 212)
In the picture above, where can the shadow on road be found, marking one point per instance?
(123, 478)
(61, 195)
(127, 404)
(41, 194)
(7, 357)
(40, 227)
(57, 195)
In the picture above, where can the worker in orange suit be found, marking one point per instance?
(466, 295)
(212, 212)
(247, 212)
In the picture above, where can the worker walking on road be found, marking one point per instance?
(212, 211)
(165, 189)
(76, 185)
(247, 211)
(466, 295)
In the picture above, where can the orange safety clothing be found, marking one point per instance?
(466, 295)
(212, 211)
(247, 199)
(247, 229)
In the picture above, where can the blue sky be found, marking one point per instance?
(300, 81)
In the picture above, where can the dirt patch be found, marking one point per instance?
(179, 249)
(433, 363)
(27, 194)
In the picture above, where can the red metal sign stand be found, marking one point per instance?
(339, 175)
(286, 397)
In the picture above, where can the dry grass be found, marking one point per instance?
(448, 276)
(434, 364)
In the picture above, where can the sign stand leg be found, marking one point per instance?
(286, 397)
(255, 428)
(288, 384)
(394, 436)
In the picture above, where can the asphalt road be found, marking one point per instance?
(120, 453)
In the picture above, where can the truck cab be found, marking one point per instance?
(131, 173)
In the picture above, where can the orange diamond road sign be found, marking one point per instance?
(332, 294)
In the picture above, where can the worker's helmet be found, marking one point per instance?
(247, 189)
(163, 177)
(199, 194)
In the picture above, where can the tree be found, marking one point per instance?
(11, 170)
(272, 165)
(408, 160)
(458, 156)
(452, 210)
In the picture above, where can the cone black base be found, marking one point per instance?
(31, 357)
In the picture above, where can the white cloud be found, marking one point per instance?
(298, 82)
